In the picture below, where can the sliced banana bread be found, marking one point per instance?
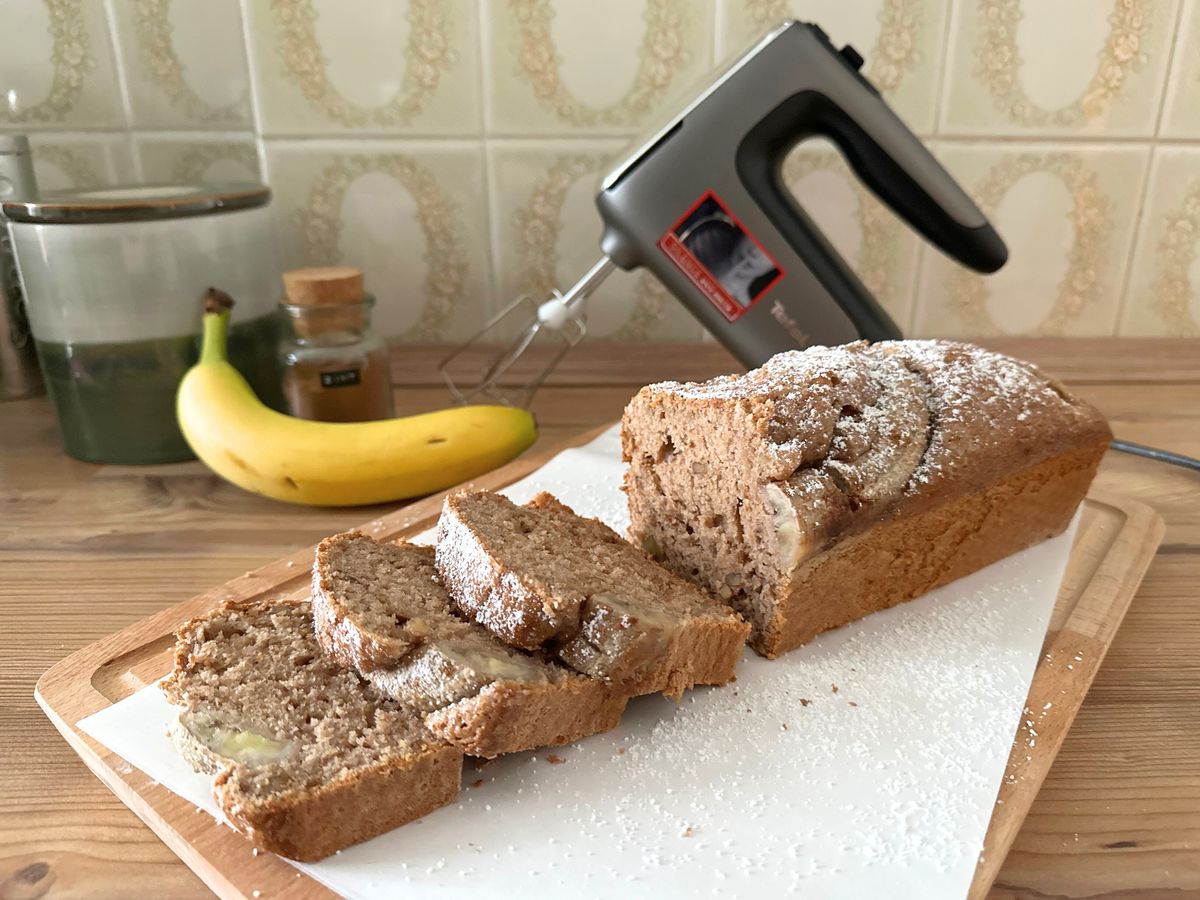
(380, 608)
(540, 577)
(836, 481)
(306, 758)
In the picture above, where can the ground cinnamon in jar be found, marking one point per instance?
(334, 368)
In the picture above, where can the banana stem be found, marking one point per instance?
(216, 324)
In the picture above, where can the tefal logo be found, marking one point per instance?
(780, 315)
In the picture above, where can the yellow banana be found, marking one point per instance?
(333, 463)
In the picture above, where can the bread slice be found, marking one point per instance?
(837, 481)
(539, 576)
(380, 608)
(306, 758)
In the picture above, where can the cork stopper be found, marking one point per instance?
(323, 285)
(322, 289)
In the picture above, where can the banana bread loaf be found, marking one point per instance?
(539, 576)
(380, 608)
(306, 758)
(837, 481)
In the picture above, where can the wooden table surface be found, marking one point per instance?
(85, 550)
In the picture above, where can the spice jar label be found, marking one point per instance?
(341, 378)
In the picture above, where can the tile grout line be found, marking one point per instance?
(941, 82)
(1166, 87)
(260, 144)
(118, 52)
(940, 89)
(914, 288)
(1093, 141)
(1135, 239)
(718, 35)
(1134, 242)
(491, 199)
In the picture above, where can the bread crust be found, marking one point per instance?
(505, 716)
(335, 625)
(523, 612)
(506, 602)
(354, 807)
(907, 556)
(836, 481)
(508, 716)
(310, 823)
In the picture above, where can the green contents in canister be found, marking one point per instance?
(116, 401)
(111, 278)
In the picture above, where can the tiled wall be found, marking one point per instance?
(450, 147)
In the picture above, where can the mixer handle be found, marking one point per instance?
(889, 159)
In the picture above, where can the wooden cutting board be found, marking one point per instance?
(1113, 547)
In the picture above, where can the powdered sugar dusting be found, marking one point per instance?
(883, 788)
(803, 398)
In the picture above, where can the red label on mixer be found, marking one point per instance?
(727, 263)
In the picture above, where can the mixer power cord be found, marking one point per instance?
(1166, 456)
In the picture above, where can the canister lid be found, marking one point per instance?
(137, 203)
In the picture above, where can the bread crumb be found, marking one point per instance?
(783, 726)
(255, 851)
(688, 832)
(835, 688)
(555, 760)
(852, 703)
(620, 751)
(256, 893)
(291, 563)
(478, 782)
(804, 701)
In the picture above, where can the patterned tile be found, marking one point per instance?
(410, 215)
(185, 63)
(548, 233)
(1067, 214)
(900, 39)
(338, 66)
(188, 160)
(1181, 116)
(1164, 287)
(373, 114)
(557, 66)
(62, 162)
(1012, 69)
(59, 72)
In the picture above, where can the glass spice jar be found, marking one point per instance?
(335, 369)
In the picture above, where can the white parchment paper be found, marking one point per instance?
(865, 764)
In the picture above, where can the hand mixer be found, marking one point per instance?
(702, 204)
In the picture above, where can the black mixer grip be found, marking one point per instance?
(967, 237)
(759, 164)
(977, 246)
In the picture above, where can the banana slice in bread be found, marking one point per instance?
(380, 608)
(306, 757)
(540, 577)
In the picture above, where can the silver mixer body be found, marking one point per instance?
(702, 202)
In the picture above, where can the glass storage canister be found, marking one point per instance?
(335, 369)
(113, 281)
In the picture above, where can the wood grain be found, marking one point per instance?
(86, 550)
(1115, 542)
